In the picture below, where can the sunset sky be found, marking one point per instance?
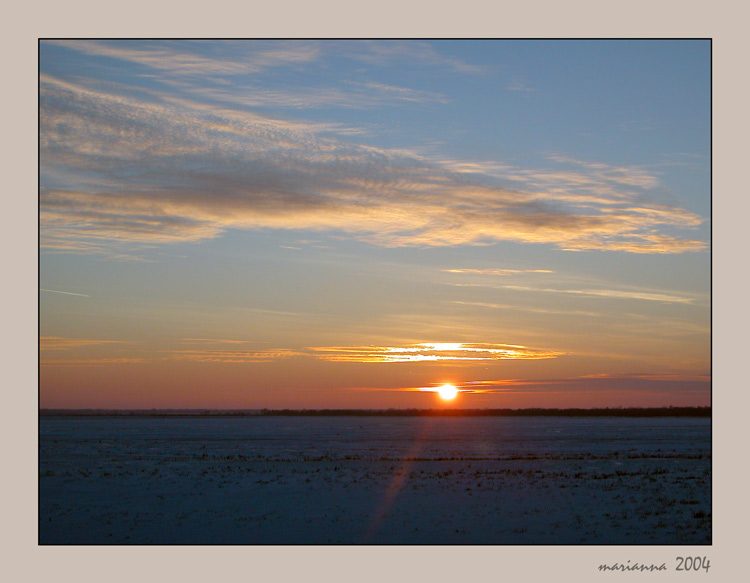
(352, 224)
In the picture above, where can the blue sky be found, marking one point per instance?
(226, 208)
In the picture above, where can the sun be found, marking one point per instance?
(447, 392)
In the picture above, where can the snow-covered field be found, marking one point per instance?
(374, 480)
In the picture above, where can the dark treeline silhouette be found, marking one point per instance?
(535, 412)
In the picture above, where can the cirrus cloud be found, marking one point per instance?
(60, 343)
(118, 171)
(435, 352)
(432, 352)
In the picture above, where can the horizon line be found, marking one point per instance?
(667, 410)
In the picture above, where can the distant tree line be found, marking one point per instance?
(534, 412)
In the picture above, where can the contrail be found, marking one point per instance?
(54, 291)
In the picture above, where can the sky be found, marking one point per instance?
(353, 224)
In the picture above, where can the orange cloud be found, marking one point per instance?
(90, 361)
(424, 352)
(431, 352)
(653, 376)
(233, 356)
(59, 343)
(596, 382)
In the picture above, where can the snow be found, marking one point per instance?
(374, 480)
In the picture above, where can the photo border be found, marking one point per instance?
(719, 21)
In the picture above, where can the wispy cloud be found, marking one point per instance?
(652, 376)
(54, 291)
(599, 382)
(242, 57)
(491, 271)
(401, 93)
(59, 343)
(354, 95)
(594, 182)
(227, 70)
(589, 287)
(91, 362)
(517, 308)
(455, 352)
(660, 385)
(219, 341)
(387, 53)
(612, 293)
(199, 58)
(157, 173)
(233, 356)
(518, 84)
(432, 352)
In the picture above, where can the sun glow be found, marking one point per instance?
(447, 392)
